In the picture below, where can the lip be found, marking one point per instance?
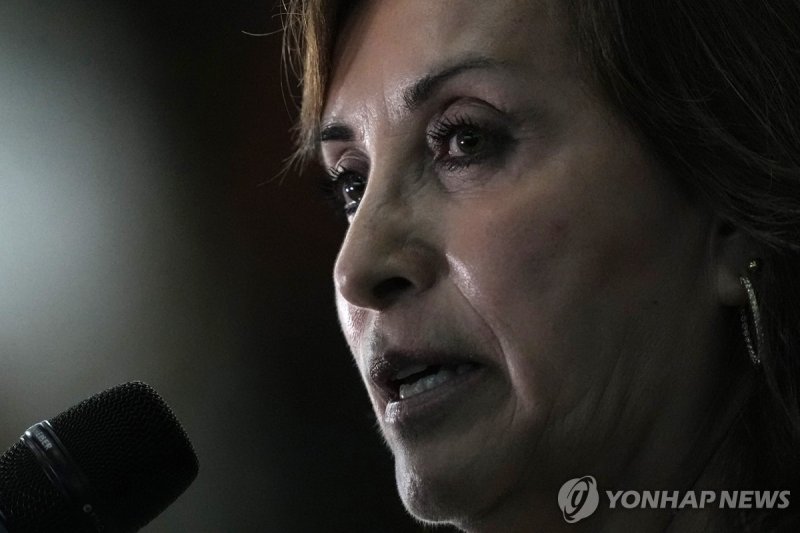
(428, 405)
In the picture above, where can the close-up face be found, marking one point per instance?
(527, 295)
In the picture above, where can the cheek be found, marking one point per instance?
(502, 256)
(504, 261)
(547, 271)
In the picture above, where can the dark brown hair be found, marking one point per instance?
(308, 39)
(713, 89)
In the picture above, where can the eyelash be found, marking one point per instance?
(332, 185)
(444, 130)
(439, 136)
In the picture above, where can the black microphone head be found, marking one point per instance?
(132, 450)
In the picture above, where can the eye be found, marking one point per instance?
(344, 189)
(466, 141)
(458, 142)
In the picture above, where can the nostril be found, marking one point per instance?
(391, 287)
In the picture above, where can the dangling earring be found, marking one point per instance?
(754, 345)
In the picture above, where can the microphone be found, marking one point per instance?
(110, 464)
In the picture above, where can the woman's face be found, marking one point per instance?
(526, 295)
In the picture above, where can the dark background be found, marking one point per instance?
(144, 234)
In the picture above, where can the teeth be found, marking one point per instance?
(410, 371)
(427, 383)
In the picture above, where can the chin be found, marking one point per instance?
(432, 498)
(448, 485)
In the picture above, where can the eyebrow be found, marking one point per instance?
(424, 88)
(416, 94)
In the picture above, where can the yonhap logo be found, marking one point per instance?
(578, 498)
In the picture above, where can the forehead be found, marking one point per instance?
(385, 46)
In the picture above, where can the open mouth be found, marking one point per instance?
(420, 378)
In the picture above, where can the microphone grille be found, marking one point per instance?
(28, 501)
(132, 449)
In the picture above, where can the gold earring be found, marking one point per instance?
(754, 346)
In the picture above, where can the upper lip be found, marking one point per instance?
(386, 368)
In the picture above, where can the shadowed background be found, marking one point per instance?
(142, 237)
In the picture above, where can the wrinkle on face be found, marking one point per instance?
(547, 263)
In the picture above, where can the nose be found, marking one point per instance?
(386, 257)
